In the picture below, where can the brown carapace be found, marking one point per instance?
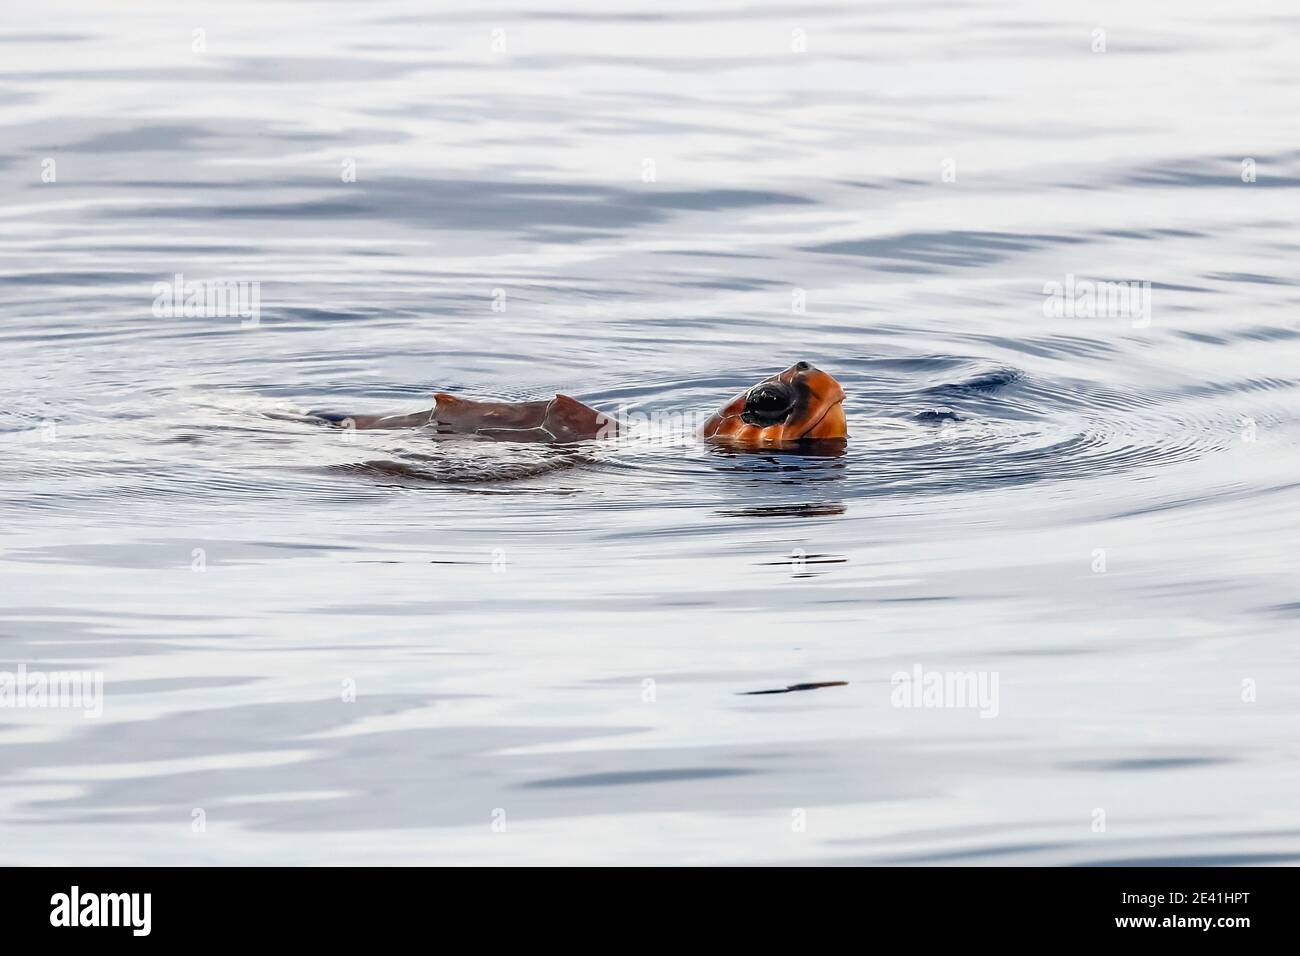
(800, 404)
(559, 419)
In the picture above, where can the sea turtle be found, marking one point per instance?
(799, 404)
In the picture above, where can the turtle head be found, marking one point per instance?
(803, 402)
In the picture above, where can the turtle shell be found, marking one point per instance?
(560, 419)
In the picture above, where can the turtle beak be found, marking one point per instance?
(831, 425)
(826, 401)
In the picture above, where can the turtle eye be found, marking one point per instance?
(768, 403)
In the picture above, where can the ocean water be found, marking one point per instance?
(1081, 506)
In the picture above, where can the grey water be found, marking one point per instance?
(1085, 503)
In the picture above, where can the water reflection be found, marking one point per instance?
(796, 456)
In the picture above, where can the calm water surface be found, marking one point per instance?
(651, 206)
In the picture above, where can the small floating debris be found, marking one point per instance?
(801, 510)
(794, 687)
